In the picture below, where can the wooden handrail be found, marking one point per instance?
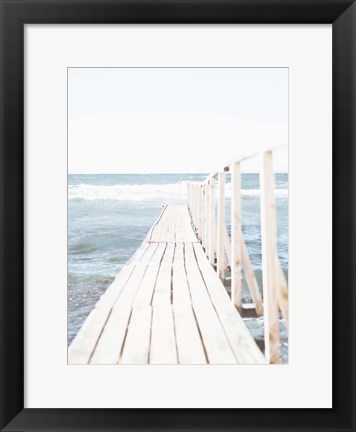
(209, 223)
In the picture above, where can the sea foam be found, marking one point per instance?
(175, 192)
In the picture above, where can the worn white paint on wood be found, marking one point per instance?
(109, 346)
(235, 263)
(161, 228)
(193, 203)
(145, 292)
(179, 234)
(162, 293)
(283, 295)
(180, 286)
(128, 294)
(111, 337)
(113, 292)
(196, 204)
(185, 229)
(201, 213)
(227, 247)
(196, 212)
(217, 347)
(154, 226)
(203, 217)
(221, 227)
(206, 213)
(189, 344)
(269, 257)
(83, 345)
(211, 221)
(171, 227)
(174, 225)
(280, 296)
(251, 279)
(248, 272)
(206, 217)
(240, 339)
(196, 329)
(137, 342)
(163, 343)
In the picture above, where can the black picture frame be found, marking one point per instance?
(14, 15)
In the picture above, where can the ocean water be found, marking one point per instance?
(109, 215)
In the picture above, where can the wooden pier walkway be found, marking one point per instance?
(166, 306)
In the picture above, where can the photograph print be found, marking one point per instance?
(177, 216)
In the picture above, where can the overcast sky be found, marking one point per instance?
(174, 120)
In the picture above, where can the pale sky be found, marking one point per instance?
(174, 120)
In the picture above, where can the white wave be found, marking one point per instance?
(166, 193)
(148, 192)
(279, 193)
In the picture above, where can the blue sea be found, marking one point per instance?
(109, 215)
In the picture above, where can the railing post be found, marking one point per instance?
(236, 245)
(207, 195)
(190, 198)
(206, 212)
(193, 202)
(200, 210)
(197, 209)
(221, 227)
(205, 239)
(202, 200)
(269, 260)
(188, 193)
(212, 234)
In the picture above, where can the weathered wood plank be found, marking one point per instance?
(110, 343)
(156, 225)
(189, 343)
(201, 326)
(283, 296)
(235, 263)
(203, 217)
(160, 227)
(111, 339)
(211, 222)
(251, 279)
(180, 286)
(174, 225)
(163, 343)
(221, 227)
(248, 272)
(128, 294)
(189, 231)
(145, 291)
(113, 292)
(216, 345)
(269, 260)
(162, 293)
(241, 340)
(178, 214)
(137, 342)
(82, 346)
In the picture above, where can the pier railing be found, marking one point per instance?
(206, 203)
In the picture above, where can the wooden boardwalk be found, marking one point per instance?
(166, 306)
